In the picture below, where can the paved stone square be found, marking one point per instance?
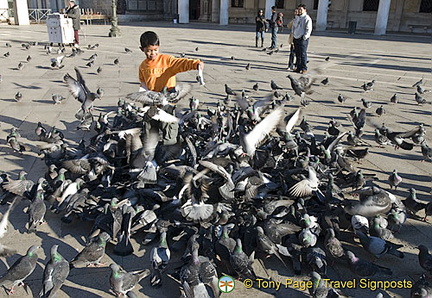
(395, 62)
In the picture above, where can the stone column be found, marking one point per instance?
(21, 12)
(215, 11)
(321, 22)
(183, 10)
(223, 15)
(268, 6)
(382, 17)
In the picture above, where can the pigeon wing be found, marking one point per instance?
(77, 90)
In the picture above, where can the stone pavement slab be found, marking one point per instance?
(394, 61)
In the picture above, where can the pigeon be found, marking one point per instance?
(394, 98)
(55, 274)
(229, 91)
(421, 288)
(302, 85)
(99, 69)
(159, 258)
(241, 263)
(5, 220)
(306, 186)
(79, 89)
(379, 247)
(341, 98)
(366, 104)
(57, 98)
(116, 61)
(29, 58)
(20, 270)
(426, 151)
(57, 62)
(8, 45)
(327, 58)
(425, 259)
(325, 81)
(332, 245)
(368, 86)
(92, 253)
(420, 90)
(20, 66)
(196, 49)
(255, 87)
(419, 99)
(394, 179)
(122, 282)
(380, 111)
(128, 51)
(274, 86)
(248, 66)
(418, 83)
(365, 268)
(18, 96)
(36, 212)
(14, 142)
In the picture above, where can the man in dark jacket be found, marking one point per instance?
(73, 12)
(273, 28)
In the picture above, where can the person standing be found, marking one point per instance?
(302, 29)
(261, 27)
(291, 42)
(273, 28)
(73, 12)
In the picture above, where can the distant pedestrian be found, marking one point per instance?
(291, 42)
(73, 12)
(302, 29)
(280, 22)
(273, 28)
(261, 27)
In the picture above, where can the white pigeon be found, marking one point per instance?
(307, 186)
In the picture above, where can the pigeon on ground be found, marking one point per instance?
(325, 81)
(159, 258)
(92, 254)
(379, 247)
(18, 96)
(426, 151)
(20, 270)
(366, 104)
(394, 98)
(36, 212)
(274, 86)
(421, 288)
(57, 62)
(229, 91)
(394, 179)
(419, 99)
(380, 111)
(122, 282)
(116, 61)
(332, 245)
(55, 274)
(57, 98)
(365, 268)
(128, 51)
(241, 263)
(20, 66)
(306, 186)
(341, 98)
(368, 86)
(425, 259)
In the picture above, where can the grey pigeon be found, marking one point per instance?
(80, 91)
(92, 253)
(55, 273)
(366, 104)
(394, 179)
(122, 282)
(341, 98)
(332, 245)
(394, 98)
(419, 99)
(18, 96)
(20, 270)
(36, 212)
(274, 86)
(368, 86)
(241, 263)
(365, 268)
(380, 111)
(229, 91)
(426, 151)
(379, 247)
(57, 98)
(425, 258)
(159, 258)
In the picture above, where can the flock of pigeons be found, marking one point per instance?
(244, 181)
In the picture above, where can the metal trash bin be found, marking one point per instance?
(352, 27)
(60, 29)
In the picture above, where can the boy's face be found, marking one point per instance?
(151, 52)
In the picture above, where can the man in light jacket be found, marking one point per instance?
(302, 29)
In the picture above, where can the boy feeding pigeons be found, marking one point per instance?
(157, 73)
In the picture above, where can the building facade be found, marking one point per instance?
(392, 15)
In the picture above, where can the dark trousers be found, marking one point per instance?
(76, 37)
(274, 32)
(300, 48)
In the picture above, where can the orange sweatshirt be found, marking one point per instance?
(158, 73)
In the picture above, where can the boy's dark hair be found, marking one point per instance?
(302, 5)
(149, 38)
(273, 7)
